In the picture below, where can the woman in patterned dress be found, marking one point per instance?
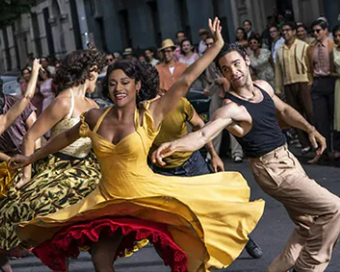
(13, 109)
(71, 174)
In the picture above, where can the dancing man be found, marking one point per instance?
(249, 114)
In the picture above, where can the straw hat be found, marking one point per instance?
(127, 51)
(166, 44)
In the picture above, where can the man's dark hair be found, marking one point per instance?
(150, 49)
(302, 25)
(247, 21)
(256, 38)
(291, 24)
(244, 33)
(209, 37)
(320, 23)
(228, 48)
(181, 31)
(336, 29)
(274, 26)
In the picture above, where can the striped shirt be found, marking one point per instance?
(290, 66)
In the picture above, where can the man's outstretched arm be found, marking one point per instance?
(193, 141)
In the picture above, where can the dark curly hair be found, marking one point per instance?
(75, 68)
(181, 46)
(228, 48)
(140, 71)
(243, 31)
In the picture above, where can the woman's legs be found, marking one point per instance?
(4, 264)
(104, 251)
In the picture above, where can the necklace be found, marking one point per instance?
(248, 98)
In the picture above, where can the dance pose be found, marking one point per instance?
(67, 176)
(189, 164)
(196, 223)
(249, 114)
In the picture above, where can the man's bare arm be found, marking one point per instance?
(221, 119)
(295, 119)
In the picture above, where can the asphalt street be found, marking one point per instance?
(271, 233)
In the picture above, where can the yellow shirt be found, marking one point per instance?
(174, 127)
(290, 66)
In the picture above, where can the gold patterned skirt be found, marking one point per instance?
(60, 181)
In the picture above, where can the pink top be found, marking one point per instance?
(190, 60)
(321, 64)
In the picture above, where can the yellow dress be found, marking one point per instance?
(209, 216)
(6, 179)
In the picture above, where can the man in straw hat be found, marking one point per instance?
(169, 70)
(128, 54)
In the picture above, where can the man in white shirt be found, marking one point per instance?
(277, 40)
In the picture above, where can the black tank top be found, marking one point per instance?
(265, 134)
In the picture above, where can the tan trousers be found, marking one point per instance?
(314, 210)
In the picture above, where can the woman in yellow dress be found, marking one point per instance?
(196, 223)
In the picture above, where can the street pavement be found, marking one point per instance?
(271, 233)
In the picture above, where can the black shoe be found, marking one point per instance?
(253, 249)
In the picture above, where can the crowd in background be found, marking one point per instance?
(300, 62)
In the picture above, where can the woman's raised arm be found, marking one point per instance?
(8, 118)
(169, 101)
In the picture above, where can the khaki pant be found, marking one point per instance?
(314, 210)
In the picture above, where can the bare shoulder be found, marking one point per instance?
(228, 109)
(265, 86)
(93, 103)
(227, 101)
(92, 116)
(61, 104)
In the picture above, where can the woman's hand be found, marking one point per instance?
(215, 29)
(18, 161)
(36, 65)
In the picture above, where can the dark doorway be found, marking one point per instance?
(75, 22)
(183, 11)
(156, 23)
(7, 52)
(36, 34)
(125, 27)
(16, 47)
(49, 36)
(223, 20)
(100, 28)
(285, 8)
